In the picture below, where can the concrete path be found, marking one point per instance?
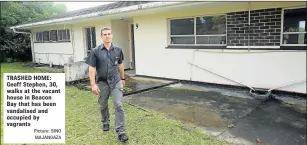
(232, 115)
(274, 123)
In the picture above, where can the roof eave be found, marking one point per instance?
(103, 13)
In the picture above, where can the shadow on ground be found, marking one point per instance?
(232, 115)
(133, 85)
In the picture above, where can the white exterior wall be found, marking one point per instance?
(79, 35)
(263, 70)
(120, 38)
(57, 53)
(130, 43)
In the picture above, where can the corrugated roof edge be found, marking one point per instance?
(100, 13)
(84, 11)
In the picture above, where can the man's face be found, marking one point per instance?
(106, 36)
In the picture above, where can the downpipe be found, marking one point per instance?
(31, 41)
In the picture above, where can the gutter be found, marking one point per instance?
(103, 13)
(15, 31)
(31, 38)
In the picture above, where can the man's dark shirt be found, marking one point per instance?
(106, 63)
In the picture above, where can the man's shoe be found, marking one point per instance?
(123, 137)
(106, 127)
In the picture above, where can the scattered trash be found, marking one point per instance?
(231, 125)
(260, 94)
(258, 140)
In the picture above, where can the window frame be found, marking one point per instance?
(282, 27)
(50, 35)
(41, 38)
(169, 36)
(44, 35)
(91, 38)
(59, 32)
(68, 33)
(90, 33)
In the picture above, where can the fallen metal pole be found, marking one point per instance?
(222, 76)
(251, 88)
(286, 85)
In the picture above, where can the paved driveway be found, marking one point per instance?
(229, 114)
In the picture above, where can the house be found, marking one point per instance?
(258, 44)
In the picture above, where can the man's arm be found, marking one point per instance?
(121, 66)
(121, 70)
(92, 73)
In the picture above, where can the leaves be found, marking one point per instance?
(16, 13)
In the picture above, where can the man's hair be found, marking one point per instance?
(105, 28)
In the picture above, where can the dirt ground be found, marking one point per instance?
(233, 115)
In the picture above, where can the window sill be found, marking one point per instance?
(289, 47)
(236, 48)
(53, 42)
(194, 47)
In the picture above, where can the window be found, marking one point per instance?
(46, 36)
(63, 35)
(39, 36)
(52, 36)
(294, 23)
(90, 35)
(207, 30)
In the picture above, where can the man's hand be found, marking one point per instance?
(95, 90)
(124, 82)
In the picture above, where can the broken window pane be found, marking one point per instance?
(211, 25)
(294, 20)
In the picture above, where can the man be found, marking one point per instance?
(107, 61)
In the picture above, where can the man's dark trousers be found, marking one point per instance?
(117, 94)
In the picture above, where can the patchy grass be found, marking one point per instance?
(127, 89)
(83, 121)
(302, 109)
